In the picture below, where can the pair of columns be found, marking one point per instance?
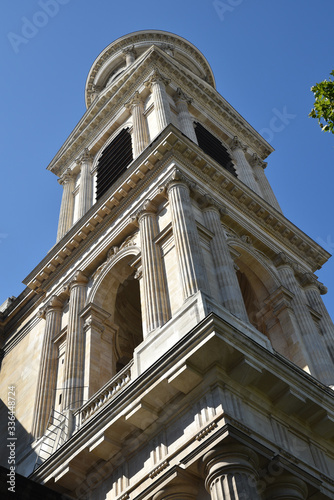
(67, 180)
(157, 85)
(252, 173)
(231, 473)
(312, 342)
(189, 255)
(74, 359)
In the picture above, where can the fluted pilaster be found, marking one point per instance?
(318, 358)
(47, 373)
(85, 190)
(313, 290)
(184, 117)
(140, 130)
(67, 180)
(157, 83)
(75, 344)
(230, 473)
(268, 194)
(186, 238)
(155, 297)
(286, 487)
(227, 279)
(245, 172)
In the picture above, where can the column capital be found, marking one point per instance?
(237, 144)
(323, 289)
(177, 177)
(79, 279)
(186, 491)
(286, 486)
(135, 100)
(147, 208)
(211, 204)
(54, 304)
(308, 280)
(184, 485)
(281, 259)
(231, 459)
(157, 77)
(181, 96)
(84, 157)
(256, 161)
(66, 177)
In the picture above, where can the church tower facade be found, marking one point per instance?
(173, 343)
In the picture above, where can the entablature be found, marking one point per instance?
(212, 356)
(111, 101)
(244, 208)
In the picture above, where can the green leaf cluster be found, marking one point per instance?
(323, 108)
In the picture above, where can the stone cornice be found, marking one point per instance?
(213, 336)
(111, 100)
(237, 197)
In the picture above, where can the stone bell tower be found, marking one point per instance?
(175, 339)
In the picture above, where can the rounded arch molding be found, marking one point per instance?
(253, 259)
(115, 261)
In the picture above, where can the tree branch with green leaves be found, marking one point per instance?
(323, 108)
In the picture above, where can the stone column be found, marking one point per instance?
(154, 286)
(230, 473)
(224, 266)
(140, 130)
(130, 55)
(186, 238)
(286, 487)
(75, 345)
(184, 117)
(313, 290)
(157, 83)
(245, 172)
(48, 366)
(268, 194)
(319, 360)
(67, 180)
(85, 189)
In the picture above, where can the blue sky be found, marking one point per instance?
(265, 56)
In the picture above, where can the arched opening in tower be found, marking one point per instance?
(251, 302)
(128, 319)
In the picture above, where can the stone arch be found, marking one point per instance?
(265, 301)
(126, 124)
(116, 293)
